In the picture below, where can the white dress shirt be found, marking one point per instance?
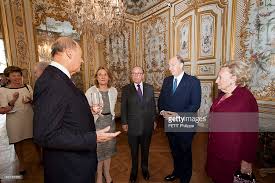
(61, 67)
(179, 77)
(140, 85)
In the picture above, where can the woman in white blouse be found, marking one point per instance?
(102, 99)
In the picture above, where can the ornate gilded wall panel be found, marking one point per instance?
(207, 30)
(19, 27)
(180, 7)
(184, 35)
(154, 48)
(120, 55)
(207, 90)
(206, 69)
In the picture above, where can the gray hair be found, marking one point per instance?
(241, 70)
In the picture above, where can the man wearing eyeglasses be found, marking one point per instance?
(138, 111)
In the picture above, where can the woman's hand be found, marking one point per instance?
(15, 96)
(4, 110)
(96, 109)
(26, 100)
(246, 167)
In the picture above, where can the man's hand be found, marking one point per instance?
(103, 135)
(125, 128)
(167, 114)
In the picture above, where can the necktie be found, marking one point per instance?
(174, 85)
(139, 92)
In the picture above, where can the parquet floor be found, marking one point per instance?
(160, 160)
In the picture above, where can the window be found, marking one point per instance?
(3, 58)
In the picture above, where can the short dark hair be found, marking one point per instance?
(11, 69)
(108, 73)
(61, 44)
(180, 59)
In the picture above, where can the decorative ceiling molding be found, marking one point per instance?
(136, 7)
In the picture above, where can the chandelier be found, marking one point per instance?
(99, 17)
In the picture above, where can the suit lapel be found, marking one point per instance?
(145, 91)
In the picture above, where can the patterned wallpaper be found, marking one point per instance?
(119, 54)
(258, 47)
(154, 48)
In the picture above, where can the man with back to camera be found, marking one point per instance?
(63, 122)
(180, 93)
(138, 112)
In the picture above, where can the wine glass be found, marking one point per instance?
(97, 103)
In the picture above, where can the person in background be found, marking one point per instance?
(63, 122)
(138, 113)
(3, 80)
(19, 119)
(102, 98)
(180, 93)
(38, 68)
(229, 151)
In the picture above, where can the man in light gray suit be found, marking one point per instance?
(138, 112)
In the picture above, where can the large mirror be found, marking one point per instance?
(46, 33)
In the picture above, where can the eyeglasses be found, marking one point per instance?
(137, 74)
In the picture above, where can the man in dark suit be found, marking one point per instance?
(138, 112)
(63, 123)
(180, 93)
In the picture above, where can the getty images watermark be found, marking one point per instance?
(183, 122)
(11, 177)
(217, 122)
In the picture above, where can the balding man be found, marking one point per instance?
(138, 111)
(38, 68)
(180, 93)
(63, 122)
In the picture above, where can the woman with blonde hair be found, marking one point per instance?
(102, 98)
(233, 125)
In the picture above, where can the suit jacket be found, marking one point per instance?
(234, 146)
(187, 98)
(64, 127)
(138, 114)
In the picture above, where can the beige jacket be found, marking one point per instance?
(112, 98)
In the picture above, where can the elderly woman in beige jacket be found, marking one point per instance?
(102, 99)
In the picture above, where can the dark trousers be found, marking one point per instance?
(182, 156)
(144, 142)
